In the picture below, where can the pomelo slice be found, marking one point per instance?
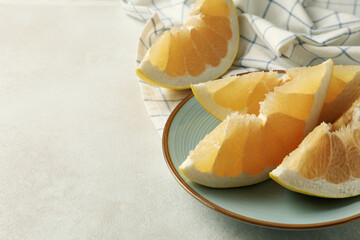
(219, 159)
(235, 93)
(326, 164)
(200, 50)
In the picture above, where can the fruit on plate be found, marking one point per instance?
(327, 162)
(244, 148)
(230, 155)
(344, 89)
(200, 50)
(244, 93)
(292, 110)
(235, 93)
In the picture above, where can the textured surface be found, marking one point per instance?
(79, 156)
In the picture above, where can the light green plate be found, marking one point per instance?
(267, 203)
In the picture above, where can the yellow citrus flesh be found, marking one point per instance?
(290, 137)
(194, 65)
(211, 7)
(175, 64)
(326, 163)
(351, 116)
(206, 151)
(248, 146)
(200, 50)
(242, 142)
(254, 160)
(291, 111)
(353, 153)
(297, 96)
(206, 51)
(229, 156)
(338, 170)
(236, 93)
(344, 89)
(316, 158)
(273, 146)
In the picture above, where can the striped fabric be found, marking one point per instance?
(274, 34)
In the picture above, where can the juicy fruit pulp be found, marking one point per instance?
(344, 89)
(326, 164)
(235, 93)
(217, 161)
(244, 93)
(203, 40)
(200, 50)
(245, 147)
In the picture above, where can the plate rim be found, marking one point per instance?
(222, 210)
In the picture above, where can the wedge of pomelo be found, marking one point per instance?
(218, 160)
(235, 93)
(326, 163)
(200, 50)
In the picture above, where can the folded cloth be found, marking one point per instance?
(274, 34)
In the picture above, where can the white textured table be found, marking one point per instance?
(79, 156)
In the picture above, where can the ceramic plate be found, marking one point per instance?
(266, 204)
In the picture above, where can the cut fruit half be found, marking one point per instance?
(244, 148)
(235, 93)
(200, 50)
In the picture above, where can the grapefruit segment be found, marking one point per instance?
(327, 162)
(200, 50)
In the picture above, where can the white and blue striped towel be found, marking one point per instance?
(274, 34)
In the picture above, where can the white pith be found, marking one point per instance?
(211, 180)
(318, 187)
